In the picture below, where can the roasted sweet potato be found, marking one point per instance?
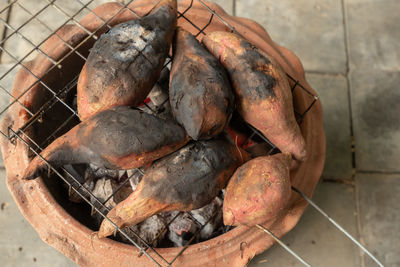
(258, 191)
(125, 62)
(118, 138)
(262, 91)
(200, 92)
(185, 180)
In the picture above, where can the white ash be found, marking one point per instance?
(162, 105)
(159, 97)
(181, 229)
(149, 108)
(103, 189)
(98, 172)
(125, 35)
(159, 94)
(210, 216)
(135, 176)
(148, 230)
(181, 155)
(151, 231)
(163, 111)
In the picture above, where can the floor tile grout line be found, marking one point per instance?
(348, 72)
(343, 181)
(378, 172)
(325, 73)
(8, 16)
(353, 146)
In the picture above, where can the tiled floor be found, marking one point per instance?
(351, 52)
(19, 243)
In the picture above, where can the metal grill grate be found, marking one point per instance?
(57, 96)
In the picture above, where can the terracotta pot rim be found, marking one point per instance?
(36, 202)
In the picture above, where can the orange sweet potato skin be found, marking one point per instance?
(188, 179)
(125, 62)
(118, 138)
(262, 91)
(258, 191)
(200, 92)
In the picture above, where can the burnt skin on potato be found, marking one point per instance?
(200, 92)
(258, 191)
(188, 179)
(125, 62)
(118, 138)
(262, 91)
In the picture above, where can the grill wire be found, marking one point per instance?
(57, 97)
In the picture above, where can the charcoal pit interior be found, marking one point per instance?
(55, 118)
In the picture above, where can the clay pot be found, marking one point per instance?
(59, 228)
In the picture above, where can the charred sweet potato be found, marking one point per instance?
(263, 94)
(258, 191)
(118, 138)
(185, 180)
(125, 62)
(200, 92)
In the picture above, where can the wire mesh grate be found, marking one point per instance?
(22, 34)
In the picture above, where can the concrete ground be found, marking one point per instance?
(351, 52)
